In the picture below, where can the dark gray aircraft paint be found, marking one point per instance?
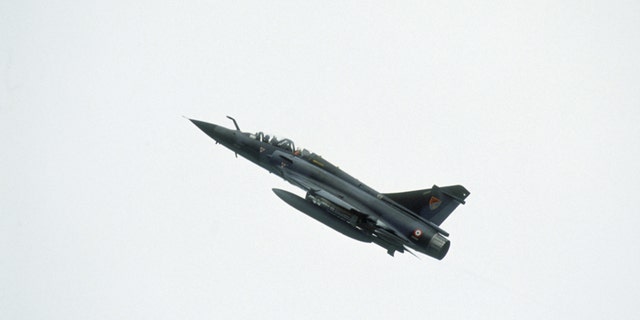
(394, 221)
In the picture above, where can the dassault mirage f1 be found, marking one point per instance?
(394, 221)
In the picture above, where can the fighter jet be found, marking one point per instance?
(395, 221)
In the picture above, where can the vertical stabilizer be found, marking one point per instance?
(435, 204)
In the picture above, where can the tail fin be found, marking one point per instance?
(435, 204)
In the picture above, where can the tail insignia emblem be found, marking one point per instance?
(434, 203)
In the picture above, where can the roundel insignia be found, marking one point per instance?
(417, 233)
(434, 203)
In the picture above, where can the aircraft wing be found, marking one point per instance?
(319, 189)
(372, 233)
(382, 234)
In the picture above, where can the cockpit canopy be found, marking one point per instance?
(282, 143)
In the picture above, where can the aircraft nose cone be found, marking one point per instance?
(216, 132)
(204, 126)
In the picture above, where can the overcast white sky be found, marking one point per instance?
(113, 206)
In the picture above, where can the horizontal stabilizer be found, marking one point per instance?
(435, 204)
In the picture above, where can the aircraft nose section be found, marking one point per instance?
(216, 132)
(204, 126)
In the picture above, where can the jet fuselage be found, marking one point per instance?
(346, 204)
